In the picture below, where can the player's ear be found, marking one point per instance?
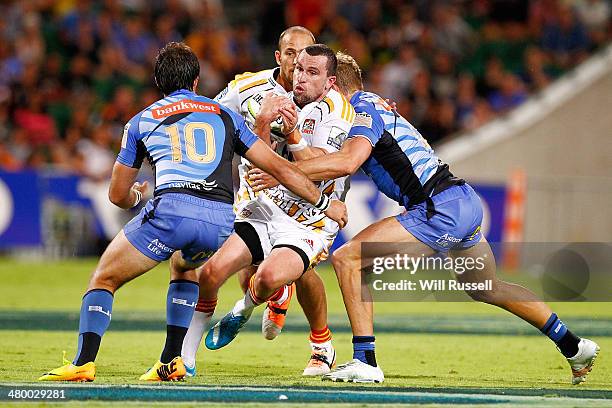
(331, 81)
(277, 56)
(195, 84)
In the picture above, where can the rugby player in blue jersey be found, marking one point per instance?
(189, 141)
(443, 214)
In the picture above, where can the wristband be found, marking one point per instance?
(292, 130)
(301, 145)
(294, 136)
(138, 197)
(323, 203)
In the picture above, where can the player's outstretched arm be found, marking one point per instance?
(355, 151)
(124, 191)
(295, 180)
(345, 162)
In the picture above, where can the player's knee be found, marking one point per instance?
(267, 279)
(345, 256)
(208, 275)
(107, 281)
(490, 296)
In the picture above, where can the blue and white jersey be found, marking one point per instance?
(189, 141)
(401, 161)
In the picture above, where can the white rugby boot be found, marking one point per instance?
(356, 371)
(322, 359)
(582, 362)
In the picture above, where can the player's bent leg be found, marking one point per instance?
(310, 292)
(233, 256)
(580, 353)
(283, 266)
(348, 261)
(120, 263)
(275, 313)
(244, 276)
(273, 318)
(312, 298)
(514, 298)
(269, 282)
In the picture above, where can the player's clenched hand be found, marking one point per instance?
(289, 116)
(270, 106)
(260, 180)
(142, 187)
(337, 212)
(139, 191)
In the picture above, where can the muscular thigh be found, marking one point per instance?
(285, 263)
(385, 237)
(120, 263)
(481, 252)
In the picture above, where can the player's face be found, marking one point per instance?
(291, 45)
(310, 79)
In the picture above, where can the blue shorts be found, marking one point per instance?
(456, 223)
(175, 221)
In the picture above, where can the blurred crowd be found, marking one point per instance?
(72, 73)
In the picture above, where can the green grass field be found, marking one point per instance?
(422, 345)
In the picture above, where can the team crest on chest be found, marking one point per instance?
(308, 126)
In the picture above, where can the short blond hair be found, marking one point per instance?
(348, 74)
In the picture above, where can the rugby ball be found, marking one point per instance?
(253, 107)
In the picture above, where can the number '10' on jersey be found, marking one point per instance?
(190, 141)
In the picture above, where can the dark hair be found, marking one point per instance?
(322, 49)
(295, 29)
(176, 67)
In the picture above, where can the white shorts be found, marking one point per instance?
(274, 228)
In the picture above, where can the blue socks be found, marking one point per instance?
(180, 305)
(94, 320)
(363, 349)
(558, 332)
(96, 312)
(554, 328)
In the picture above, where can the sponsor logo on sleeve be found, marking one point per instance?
(363, 119)
(336, 138)
(124, 139)
(185, 106)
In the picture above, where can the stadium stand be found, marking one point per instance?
(73, 72)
